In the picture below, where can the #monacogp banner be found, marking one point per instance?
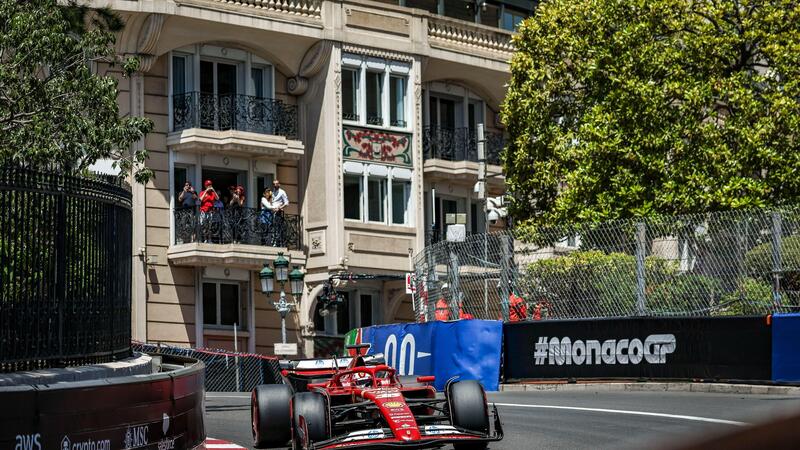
(469, 349)
(716, 348)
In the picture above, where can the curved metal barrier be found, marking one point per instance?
(160, 411)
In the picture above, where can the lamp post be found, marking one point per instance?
(281, 274)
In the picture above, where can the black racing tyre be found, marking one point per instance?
(313, 406)
(270, 415)
(468, 410)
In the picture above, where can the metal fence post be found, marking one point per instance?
(455, 287)
(641, 243)
(430, 308)
(60, 284)
(505, 273)
(777, 260)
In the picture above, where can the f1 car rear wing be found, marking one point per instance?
(300, 365)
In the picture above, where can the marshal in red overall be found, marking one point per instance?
(367, 405)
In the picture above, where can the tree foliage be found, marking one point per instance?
(56, 111)
(630, 108)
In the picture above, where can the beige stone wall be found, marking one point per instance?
(170, 289)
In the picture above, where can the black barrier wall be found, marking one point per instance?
(163, 411)
(713, 348)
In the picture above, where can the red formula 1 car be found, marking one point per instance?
(366, 405)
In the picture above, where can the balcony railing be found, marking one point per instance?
(234, 112)
(238, 226)
(459, 144)
(461, 34)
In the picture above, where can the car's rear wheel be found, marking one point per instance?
(315, 427)
(468, 410)
(270, 415)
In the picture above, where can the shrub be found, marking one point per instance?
(758, 262)
(751, 297)
(590, 283)
(685, 294)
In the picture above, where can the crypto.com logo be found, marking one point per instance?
(561, 351)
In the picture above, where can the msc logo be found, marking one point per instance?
(555, 351)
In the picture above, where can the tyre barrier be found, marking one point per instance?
(160, 411)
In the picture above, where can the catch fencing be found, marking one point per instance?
(726, 263)
(225, 371)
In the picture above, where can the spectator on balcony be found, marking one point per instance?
(279, 198)
(266, 216)
(208, 199)
(235, 214)
(279, 201)
(188, 197)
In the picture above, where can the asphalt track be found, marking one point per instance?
(576, 420)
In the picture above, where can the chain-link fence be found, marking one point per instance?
(730, 263)
(225, 371)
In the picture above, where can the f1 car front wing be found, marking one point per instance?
(432, 437)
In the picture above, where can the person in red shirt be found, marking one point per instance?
(207, 199)
(517, 309)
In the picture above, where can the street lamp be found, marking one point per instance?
(281, 275)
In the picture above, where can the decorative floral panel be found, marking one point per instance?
(377, 146)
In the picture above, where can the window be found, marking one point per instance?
(380, 194)
(180, 72)
(374, 97)
(350, 84)
(262, 81)
(209, 84)
(222, 304)
(352, 197)
(511, 19)
(401, 192)
(376, 199)
(367, 99)
(397, 100)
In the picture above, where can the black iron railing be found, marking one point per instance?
(65, 277)
(238, 226)
(459, 144)
(234, 112)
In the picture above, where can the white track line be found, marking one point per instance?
(578, 408)
(633, 413)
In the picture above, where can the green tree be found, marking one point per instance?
(631, 108)
(56, 111)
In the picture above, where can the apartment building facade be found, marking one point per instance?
(366, 113)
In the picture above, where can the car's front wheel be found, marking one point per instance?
(270, 415)
(468, 410)
(310, 419)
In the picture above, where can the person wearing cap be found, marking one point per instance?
(207, 200)
(442, 310)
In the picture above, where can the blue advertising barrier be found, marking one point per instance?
(469, 349)
(786, 347)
